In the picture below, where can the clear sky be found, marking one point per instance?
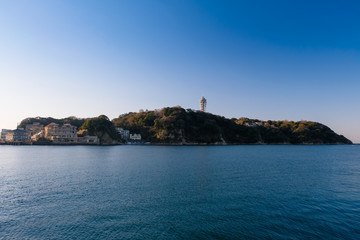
(272, 60)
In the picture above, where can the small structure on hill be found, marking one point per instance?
(135, 137)
(203, 103)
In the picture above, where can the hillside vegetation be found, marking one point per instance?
(179, 126)
(103, 128)
(45, 121)
(175, 125)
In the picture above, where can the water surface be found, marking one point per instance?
(165, 192)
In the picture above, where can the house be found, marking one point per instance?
(34, 127)
(85, 138)
(17, 136)
(65, 133)
(135, 137)
(125, 134)
(4, 132)
(89, 140)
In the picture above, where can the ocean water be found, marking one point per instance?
(169, 192)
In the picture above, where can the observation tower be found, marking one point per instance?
(203, 103)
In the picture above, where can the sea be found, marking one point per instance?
(180, 192)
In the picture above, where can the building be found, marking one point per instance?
(34, 127)
(51, 130)
(17, 136)
(35, 137)
(253, 124)
(3, 133)
(135, 137)
(125, 134)
(203, 103)
(85, 138)
(89, 140)
(61, 134)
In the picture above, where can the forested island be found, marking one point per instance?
(179, 126)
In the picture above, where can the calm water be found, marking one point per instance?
(158, 192)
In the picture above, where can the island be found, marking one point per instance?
(168, 126)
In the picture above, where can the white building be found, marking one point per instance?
(135, 137)
(125, 134)
(4, 132)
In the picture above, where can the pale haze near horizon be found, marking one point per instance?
(270, 61)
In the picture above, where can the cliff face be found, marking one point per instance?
(179, 126)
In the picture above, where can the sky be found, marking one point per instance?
(269, 60)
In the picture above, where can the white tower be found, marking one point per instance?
(203, 104)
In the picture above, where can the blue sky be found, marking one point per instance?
(273, 60)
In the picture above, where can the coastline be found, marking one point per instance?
(181, 144)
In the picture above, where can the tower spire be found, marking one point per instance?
(203, 103)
